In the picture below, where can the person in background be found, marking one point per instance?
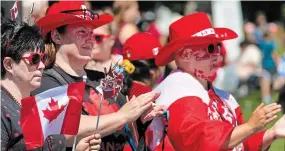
(102, 57)
(141, 56)
(249, 61)
(144, 76)
(280, 79)
(202, 117)
(248, 67)
(39, 10)
(270, 60)
(68, 26)
(261, 27)
(23, 60)
(126, 16)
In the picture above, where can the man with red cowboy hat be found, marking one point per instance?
(68, 27)
(202, 117)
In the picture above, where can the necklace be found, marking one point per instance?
(11, 96)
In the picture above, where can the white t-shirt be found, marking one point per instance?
(251, 55)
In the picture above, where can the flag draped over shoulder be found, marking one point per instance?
(55, 111)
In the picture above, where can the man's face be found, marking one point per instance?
(202, 62)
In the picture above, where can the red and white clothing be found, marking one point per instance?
(138, 89)
(199, 120)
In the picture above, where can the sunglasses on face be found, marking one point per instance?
(99, 37)
(214, 48)
(210, 49)
(36, 58)
(87, 14)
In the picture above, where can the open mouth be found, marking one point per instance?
(87, 48)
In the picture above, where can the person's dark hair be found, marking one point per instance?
(51, 2)
(142, 72)
(17, 38)
(51, 47)
(244, 43)
(260, 13)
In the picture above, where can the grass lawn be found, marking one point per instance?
(248, 104)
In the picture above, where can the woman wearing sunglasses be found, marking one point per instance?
(69, 26)
(202, 117)
(22, 63)
(103, 42)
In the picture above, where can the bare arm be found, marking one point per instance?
(268, 138)
(238, 135)
(259, 119)
(276, 58)
(109, 123)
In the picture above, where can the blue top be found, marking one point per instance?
(267, 47)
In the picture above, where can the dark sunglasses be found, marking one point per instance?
(99, 37)
(86, 13)
(210, 49)
(36, 58)
(214, 48)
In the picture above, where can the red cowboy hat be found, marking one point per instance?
(141, 46)
(70, 12)
(193, 29)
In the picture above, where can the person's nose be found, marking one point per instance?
(41, 66)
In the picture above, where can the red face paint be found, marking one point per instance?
(202, 64)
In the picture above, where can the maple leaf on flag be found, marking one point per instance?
(92, 106)
(54, 112)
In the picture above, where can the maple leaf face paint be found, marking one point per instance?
(203, 60)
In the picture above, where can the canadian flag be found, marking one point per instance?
(15, 10)
(55, 111)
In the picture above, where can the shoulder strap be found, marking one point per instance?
(54, 73)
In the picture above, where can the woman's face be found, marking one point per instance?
(102, 44)
(201, 63)
(77, 41)
(28, 74)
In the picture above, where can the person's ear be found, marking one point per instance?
(185, 54)
(56, 37)
(8, 64)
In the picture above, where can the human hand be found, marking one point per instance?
(263, 115)
(90, 143)
(154, 111)
(279, 128)
(133, 109)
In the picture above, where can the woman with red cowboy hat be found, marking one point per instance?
(68, 27)
(139, 51)
(202, 117)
